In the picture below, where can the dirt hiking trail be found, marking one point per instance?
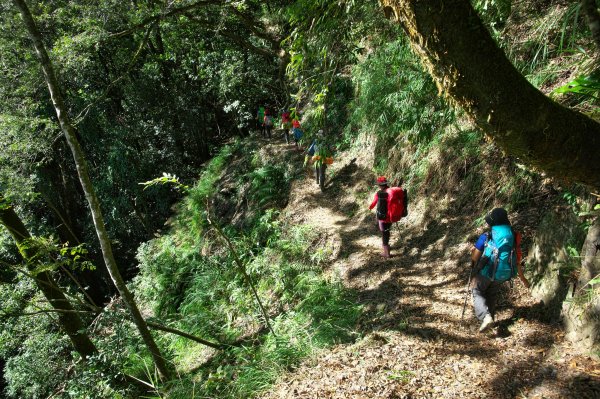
(413, 343)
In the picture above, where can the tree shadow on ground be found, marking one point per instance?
(530, 374)
(399, 294)
(538, 312)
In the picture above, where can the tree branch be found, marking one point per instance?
(159, 17)
(81, 166)
(175, 331)
(234, 38)
(51, 285)
(44, 311)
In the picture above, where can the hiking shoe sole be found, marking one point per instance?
(488, 322)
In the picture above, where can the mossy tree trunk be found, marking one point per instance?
(67, 316)
(475, 75)
(88, 189)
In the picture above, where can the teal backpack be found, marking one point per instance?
(500, 254)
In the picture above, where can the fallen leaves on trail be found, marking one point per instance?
(414, 343)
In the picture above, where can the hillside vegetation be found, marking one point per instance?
(253, 281)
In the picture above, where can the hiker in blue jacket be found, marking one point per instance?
(496, 258)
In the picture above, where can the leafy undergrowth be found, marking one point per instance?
(189, 280)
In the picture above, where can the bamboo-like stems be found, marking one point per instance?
(240, 266)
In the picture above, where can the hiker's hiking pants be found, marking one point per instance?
(485, 292)
(320, 173)
(386, 229)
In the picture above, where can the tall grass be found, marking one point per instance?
(550, 44)
(189, 279)
(557, 33)
(396, 100)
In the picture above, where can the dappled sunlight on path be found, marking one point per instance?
(413, 342)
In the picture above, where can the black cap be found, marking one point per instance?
(497, 217)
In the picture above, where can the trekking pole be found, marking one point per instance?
(467, 290)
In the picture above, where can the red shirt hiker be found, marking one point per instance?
(389, 202)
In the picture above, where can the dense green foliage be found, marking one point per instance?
(381, 108)
(165, 95)
(157, 89)
(188, 278)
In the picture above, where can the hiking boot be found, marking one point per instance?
(488, 321)
(386, 251)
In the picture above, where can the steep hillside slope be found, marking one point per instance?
(414, 343)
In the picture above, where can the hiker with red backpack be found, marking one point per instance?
(297, 132)
(496, 259)
(391, 205)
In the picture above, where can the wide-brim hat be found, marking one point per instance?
(497, 217)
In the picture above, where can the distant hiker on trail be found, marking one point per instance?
(390, 202)
(312, 151)
(268, 123)
(260, 119)
(496, 258)
(321, 156)
(286, 125)
(297, 132)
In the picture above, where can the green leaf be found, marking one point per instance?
(587, 85)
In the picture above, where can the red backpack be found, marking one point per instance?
(395, 204)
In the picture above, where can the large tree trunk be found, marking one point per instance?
(67, 316)
(88, 189)
(470, 69)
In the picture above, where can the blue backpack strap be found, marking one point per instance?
(481, 245)
(513, 255)
(487, 256)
